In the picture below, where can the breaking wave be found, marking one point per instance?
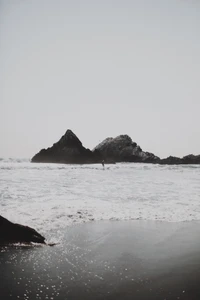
(14, 160)
(51, 197)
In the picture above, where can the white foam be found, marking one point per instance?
(50, 197)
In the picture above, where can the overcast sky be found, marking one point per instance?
(101, 68)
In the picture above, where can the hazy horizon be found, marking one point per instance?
(101, 69)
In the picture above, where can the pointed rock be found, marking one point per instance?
(69, 139)
(68, 149)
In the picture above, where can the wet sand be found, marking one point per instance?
(108, 260)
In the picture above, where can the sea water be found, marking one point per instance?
(50, 197)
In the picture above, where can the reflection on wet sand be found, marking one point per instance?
(108, 260)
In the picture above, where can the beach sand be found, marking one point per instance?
(108, 260)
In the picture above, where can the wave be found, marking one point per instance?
(14, 160)
(50, 197)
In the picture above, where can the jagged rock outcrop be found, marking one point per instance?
(185, 160)
(11, 233)
(68, 149)
(191, 159)
(123, 149)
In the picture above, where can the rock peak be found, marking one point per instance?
(122, 149)
(68, 149)
(69, 139)
(69, 132)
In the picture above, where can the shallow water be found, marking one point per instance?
(108, 260)
(50, 197)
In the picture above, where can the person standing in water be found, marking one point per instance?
(102, 163)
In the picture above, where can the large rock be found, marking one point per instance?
(191, 159)
(171, 160)
(186, 160)
(68, 149)
(15, 233)
(123, 149)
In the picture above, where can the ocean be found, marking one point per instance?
(51, 197)
(125, 231)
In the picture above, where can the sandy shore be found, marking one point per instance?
(108, 260)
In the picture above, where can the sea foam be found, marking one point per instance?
(51, 197)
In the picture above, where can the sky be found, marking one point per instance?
(100, 68)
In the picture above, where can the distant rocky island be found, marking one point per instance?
(70, 150)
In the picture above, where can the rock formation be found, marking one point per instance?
(185, 160)
(123, 149)
(68, 149)
(15, 233)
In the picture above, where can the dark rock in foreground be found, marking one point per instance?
(123, 149)
(15, 233)
(68, 149)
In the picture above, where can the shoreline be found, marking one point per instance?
(108, 260)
